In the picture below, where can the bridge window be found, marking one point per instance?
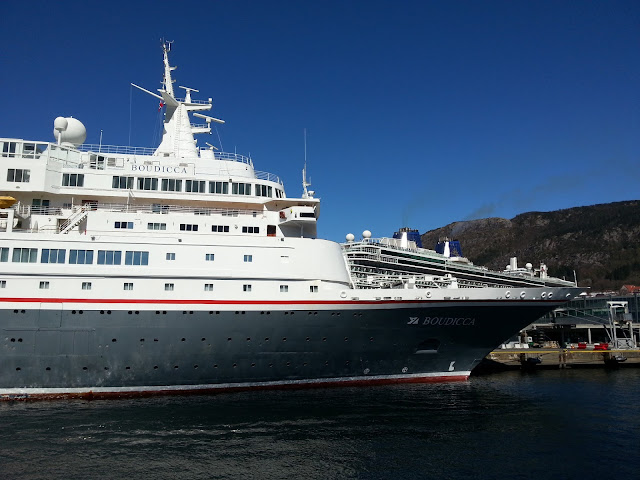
(146, 183)
(9, 150)
(122, 182)
(264, 191)
(219, 187)
(241, 188)
(194, 186)
(171, 185)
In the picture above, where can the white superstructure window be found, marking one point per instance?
(219, 187)
(171, 256)
(122, 182)
(284, 288)
(80, 257)
(146, 183)
(168, 287)
(194, 186)
(313, 289)
(220, 228)
(156, 226)
(109, 257)
(44, 285)
(247, 229)
(264, 191)
(53, 255)
(171, 185)
(188, 227)
(86, 285)
(128, 286)
(4, 254)
(241, 188)
(123, 225)
(208, 287)
(24, 255)
(246, 288)
(3, 284)
(18, 175)
(209, 257)
(73, 179)
(248, 258)
(136, 258)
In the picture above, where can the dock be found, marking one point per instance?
(554, 358)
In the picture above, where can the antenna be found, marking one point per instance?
(305, 193)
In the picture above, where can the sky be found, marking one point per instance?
(417, 113)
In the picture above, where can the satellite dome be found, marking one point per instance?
(366, 234)
(69, 131)
(350, 237)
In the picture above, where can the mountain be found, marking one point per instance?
(600, 242)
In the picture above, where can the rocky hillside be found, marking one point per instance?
(600, 242)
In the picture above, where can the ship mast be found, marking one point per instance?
(177, 133)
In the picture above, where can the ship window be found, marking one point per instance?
(122, 182)
(241, 188)
(109, 257)
(18, 175)
(171, 256)
(128, 286)
(4, 254)
(147, 183)
(86, 285)
(24, 255)
(307, 215)
(271, 230)
(209, 257)
(73, 179)
(230, 213)
(208, 287)
(123, 225)
(9, 150)
(171, 185)
(284, 288)
(79, 257)
(313, 289)
(220, 228)
(248, 258)
(136, 258)
(53, 255)
(3, 284)
(195, 186)
(168, 287)
(246, 229)
(246, 288)
(44, 285)
(279, 193)
(219, 187)
(156, 226)
(188, 227)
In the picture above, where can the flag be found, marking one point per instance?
(160, 106)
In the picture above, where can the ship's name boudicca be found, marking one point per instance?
(158, 169)
(443, 321)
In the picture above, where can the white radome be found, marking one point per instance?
(350, 237)
(69, 130)
(366, 234)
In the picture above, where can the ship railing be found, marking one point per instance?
(270, 177)
(232, 157)
(193, 102)
(27, 210)
(115, 149)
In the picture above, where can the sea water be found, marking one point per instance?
(544, 425)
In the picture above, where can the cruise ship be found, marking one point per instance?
(180, 269)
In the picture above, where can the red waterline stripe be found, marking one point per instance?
(261, 302)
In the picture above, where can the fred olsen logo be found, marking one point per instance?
(443, 321)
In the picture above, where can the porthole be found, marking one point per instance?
(114, 340)
(324, 339)
(48, 369)
(195, 366)
(284, 339)
(203, 339)
(288, 364)
(142, 339)
(235, 365)
(155, 367)
(308, 339)
(266, 339)
(183, 339)
(175, 367)
(18, 369)
(84, 368)
(253, 364)
(106, 368)
(215, 365)
(127, 368)
(229, 339)
(523, 294)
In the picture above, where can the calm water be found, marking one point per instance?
(550, 424)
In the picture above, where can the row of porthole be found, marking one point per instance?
(237, 312)
(543, 295)
(203, 339)
(215, 365)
